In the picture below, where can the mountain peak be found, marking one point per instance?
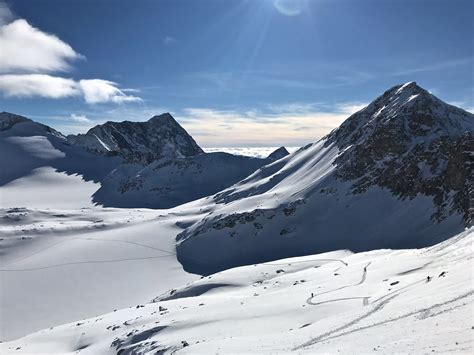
(159, 137)
(278, 154)
(163, 118)
(403, 113)
(403, 94)
(411, 142)
(410, 86)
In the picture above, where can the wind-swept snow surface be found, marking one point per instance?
(410, 301)
(39, 169)
(39, 190)
(61, 265)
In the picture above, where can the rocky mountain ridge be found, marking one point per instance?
(410, 142)
(139, 142)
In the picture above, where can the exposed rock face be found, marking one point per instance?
(140, 142)
(8, 120)
(412, 143)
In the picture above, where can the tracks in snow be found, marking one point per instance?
(167, 254)
(379, 304)
(365, 299)
(424, 313)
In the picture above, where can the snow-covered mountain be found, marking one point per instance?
(36, 160)
(383, 301)
(166, 183)
(153, 164)
(278, 154)
(411, 143)
(396, 174)
(140, 142)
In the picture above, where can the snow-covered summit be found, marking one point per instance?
(159, 137)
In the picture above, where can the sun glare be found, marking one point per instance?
(289, 7)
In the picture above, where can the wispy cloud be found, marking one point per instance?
(54, 87)
(434, 66)
(99, 91)
(169, 40)
(40, 85)
(27, 49)
(79, 118)
(466, 105)
(284, 78)
(290, 124)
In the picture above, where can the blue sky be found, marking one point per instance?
(232, 72)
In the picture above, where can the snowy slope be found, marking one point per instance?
(394, 175)
(167, 183)
(57, 266)
(337, 302)
(36, 159)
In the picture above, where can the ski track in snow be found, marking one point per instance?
(244, 296)
(362, 280)
(305, 261)
(87, 262)
(329, 335)
(168, 253)
(379, 304)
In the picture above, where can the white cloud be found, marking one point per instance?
(28, 56)
(79, 118)
(349, 108)
(39, 85)
(42, 85)
(27, 49)
(99, 91)
(290, 124)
